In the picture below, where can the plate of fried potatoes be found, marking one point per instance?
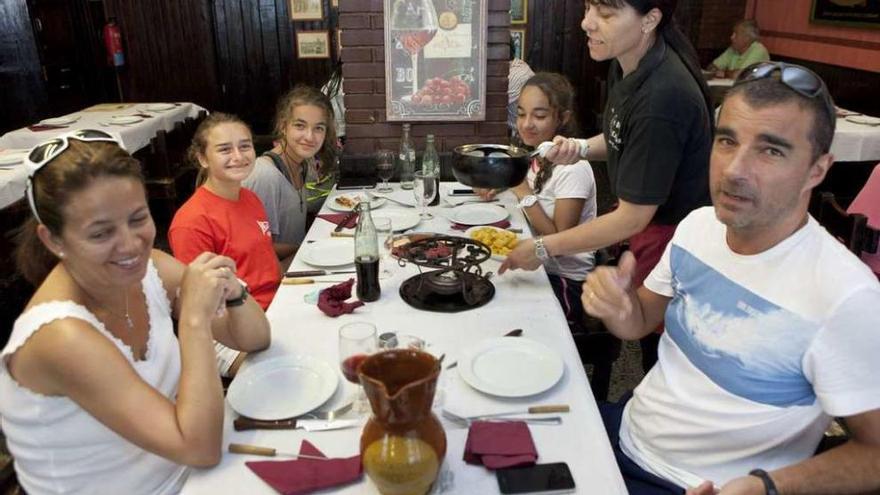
(500, 241)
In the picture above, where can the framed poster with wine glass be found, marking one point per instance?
(435, 60)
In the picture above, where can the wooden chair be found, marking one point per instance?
(850, 228)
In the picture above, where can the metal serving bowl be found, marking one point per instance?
(490, 165)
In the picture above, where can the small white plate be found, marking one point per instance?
(329, 253)
(863, 119)
(282, 387)
(477, 214)
(125, 119)
(12, 158)
(475, 228)
(510, 367)
(333, 205)
(159, 107)
(67, 119)
(400, 219)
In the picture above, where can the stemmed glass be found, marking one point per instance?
(357, 341)
(414, 24)
(425, 190)
(385, 169)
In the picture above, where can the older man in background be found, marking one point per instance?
(744, 50)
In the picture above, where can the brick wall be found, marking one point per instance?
(363, 70)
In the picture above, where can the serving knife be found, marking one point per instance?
(242, 423)
(315, 273)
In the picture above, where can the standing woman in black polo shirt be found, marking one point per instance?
(656, 139)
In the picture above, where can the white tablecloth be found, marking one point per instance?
(134, 136)
(855, 142)
(522, 300)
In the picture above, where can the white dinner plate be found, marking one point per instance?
(67, 119)
(510, 367)
(125, 119)
(374, 203)
(863, 119)
(12, 158)
(400, 219)
(329, 252)
(473, 229)
(159, 107)
(477, 214)
(282, 387)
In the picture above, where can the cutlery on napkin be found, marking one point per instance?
(342, 220)
(513, 333)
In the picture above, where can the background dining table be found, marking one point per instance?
(522, 300)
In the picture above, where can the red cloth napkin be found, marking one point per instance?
(332, 299)
(499, 445)
(336, 218)
(45, 127)
(307, 475)
(503, 224)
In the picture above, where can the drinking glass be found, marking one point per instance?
(385, 169)
(383, 235)
(357, 341)
(425, 190)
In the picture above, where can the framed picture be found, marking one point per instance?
(519, 11)
(334, 3)
(306, 10)
(313, 44)
(435, 60)
(518, 43)
(855, 13)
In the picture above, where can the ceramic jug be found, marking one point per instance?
(403, 443)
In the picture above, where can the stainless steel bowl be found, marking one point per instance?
(490, 165)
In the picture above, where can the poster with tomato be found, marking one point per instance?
(435, 60)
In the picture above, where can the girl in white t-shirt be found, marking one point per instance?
(556, 198)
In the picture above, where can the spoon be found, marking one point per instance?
(542, 149)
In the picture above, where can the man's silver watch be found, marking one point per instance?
(541, 251)
(528, 201)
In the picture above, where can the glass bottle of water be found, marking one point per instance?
(431, 165)
(407, 159)
(366, 255)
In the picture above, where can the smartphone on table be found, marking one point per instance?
(462, 192)
(356, 183)
(544, 479)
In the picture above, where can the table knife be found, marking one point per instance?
(241, 423)
(243, 448)
(315, 273)
(550, 408)
(347, 218)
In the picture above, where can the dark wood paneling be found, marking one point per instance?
(23, 97)
(169, 50)
(257, 58)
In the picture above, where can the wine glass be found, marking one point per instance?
(414, 24)
(357, 341)
(425, 190)
(385, 169)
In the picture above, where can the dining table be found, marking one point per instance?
(135, 124)
(522, 300)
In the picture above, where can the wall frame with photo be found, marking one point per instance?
(519, 11)
(435, 60)
(313, 44)
(306, 10)
(518, 43)
(851, 13)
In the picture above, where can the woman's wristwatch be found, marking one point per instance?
(528, 201)
(769, 485)
(541, 251)
(238, 301)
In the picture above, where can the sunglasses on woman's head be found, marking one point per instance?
(799, 79)
(47, 151)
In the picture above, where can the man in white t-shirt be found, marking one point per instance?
(772, 326)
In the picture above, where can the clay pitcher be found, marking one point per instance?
(403, 443)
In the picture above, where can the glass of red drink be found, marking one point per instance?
(357, 341)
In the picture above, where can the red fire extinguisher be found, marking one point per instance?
(113, 44)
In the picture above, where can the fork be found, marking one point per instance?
(447, 204)
(465, 422)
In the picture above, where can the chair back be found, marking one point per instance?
(849, 228)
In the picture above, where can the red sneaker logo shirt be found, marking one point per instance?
(237, 229)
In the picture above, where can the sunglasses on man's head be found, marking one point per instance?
(47, 151)
(799, 79)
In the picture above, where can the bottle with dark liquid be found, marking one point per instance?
(366, 255)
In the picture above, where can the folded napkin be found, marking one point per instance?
(45, 127)
(337, 218)
(332, 299)
(500, 444)
(503, 224)
(307, 475)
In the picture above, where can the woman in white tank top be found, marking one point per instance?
(97, 394)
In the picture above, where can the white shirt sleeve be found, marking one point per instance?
(842, 362)
(573, 181)
(660, 278)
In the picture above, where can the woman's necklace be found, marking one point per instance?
(127, 318)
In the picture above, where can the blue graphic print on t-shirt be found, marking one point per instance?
(744, 343)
